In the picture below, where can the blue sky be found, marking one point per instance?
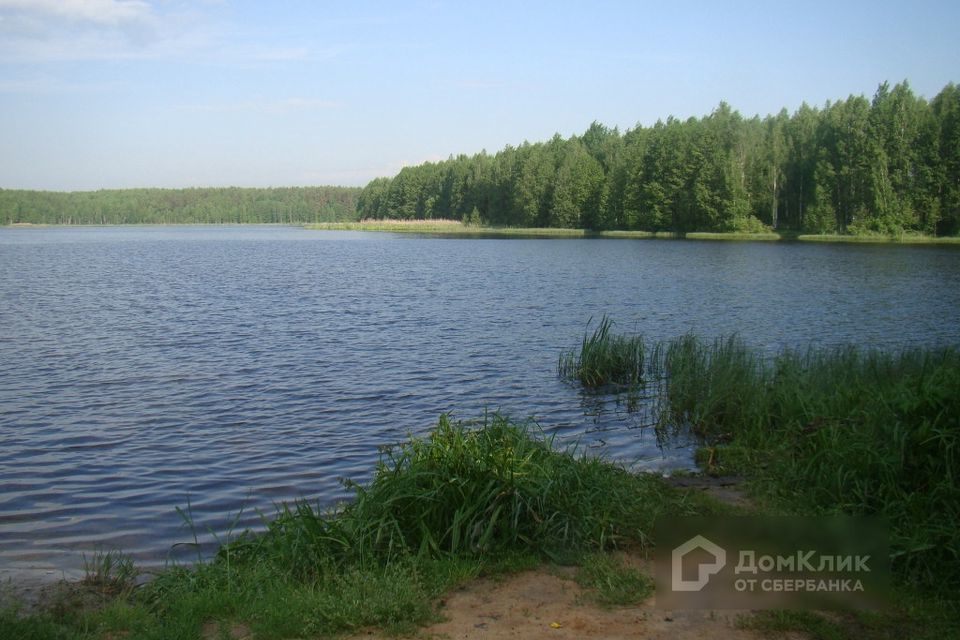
(167, 93)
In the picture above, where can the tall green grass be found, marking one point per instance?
(467, 491)
(844, 429)
(859, 431)
(605, 358)
(456, 228)
(709, 387)
(111, 572)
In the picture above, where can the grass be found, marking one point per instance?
(906, 238)
(454, 228)
(845, 430)
(396, 596)
(831, 430)
(843, 238)
(736, 235)
(610, 582)
(862, 432)
(399, 226)
(110, 572)
(710, 385)
(604, 358)
(468, 492)
(918, 618)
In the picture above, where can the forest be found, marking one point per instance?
(292, 205)
(890, 165)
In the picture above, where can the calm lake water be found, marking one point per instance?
(228, 369)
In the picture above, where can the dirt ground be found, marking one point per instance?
(546, 603)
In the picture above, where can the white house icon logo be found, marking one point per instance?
(704, 571)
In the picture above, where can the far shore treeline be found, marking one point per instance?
(890, 165)
(231, 205)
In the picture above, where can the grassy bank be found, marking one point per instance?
(465, 501)
(458, 229)
(863, 432)
(820, 431)
(792, 236)
(455, 228)
(880, 239)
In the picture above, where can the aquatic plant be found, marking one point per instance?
(858, 431)
(708, 387)
(604, 358)
(109, 572)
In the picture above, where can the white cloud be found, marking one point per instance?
(50, 30)
(101, 12)
(44, 31)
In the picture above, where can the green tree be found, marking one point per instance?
(946, 112)
(371, 202)
(577, 188)
(896, 118)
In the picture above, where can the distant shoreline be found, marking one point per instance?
(453, 228)
(47, 225)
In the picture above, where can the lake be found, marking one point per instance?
(221, 370)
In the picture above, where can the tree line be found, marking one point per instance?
(887, 165)
(291, 205)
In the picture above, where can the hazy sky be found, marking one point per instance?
(168, 93)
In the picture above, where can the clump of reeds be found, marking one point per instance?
(710, 387)
(111, 572)
(605, 358)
